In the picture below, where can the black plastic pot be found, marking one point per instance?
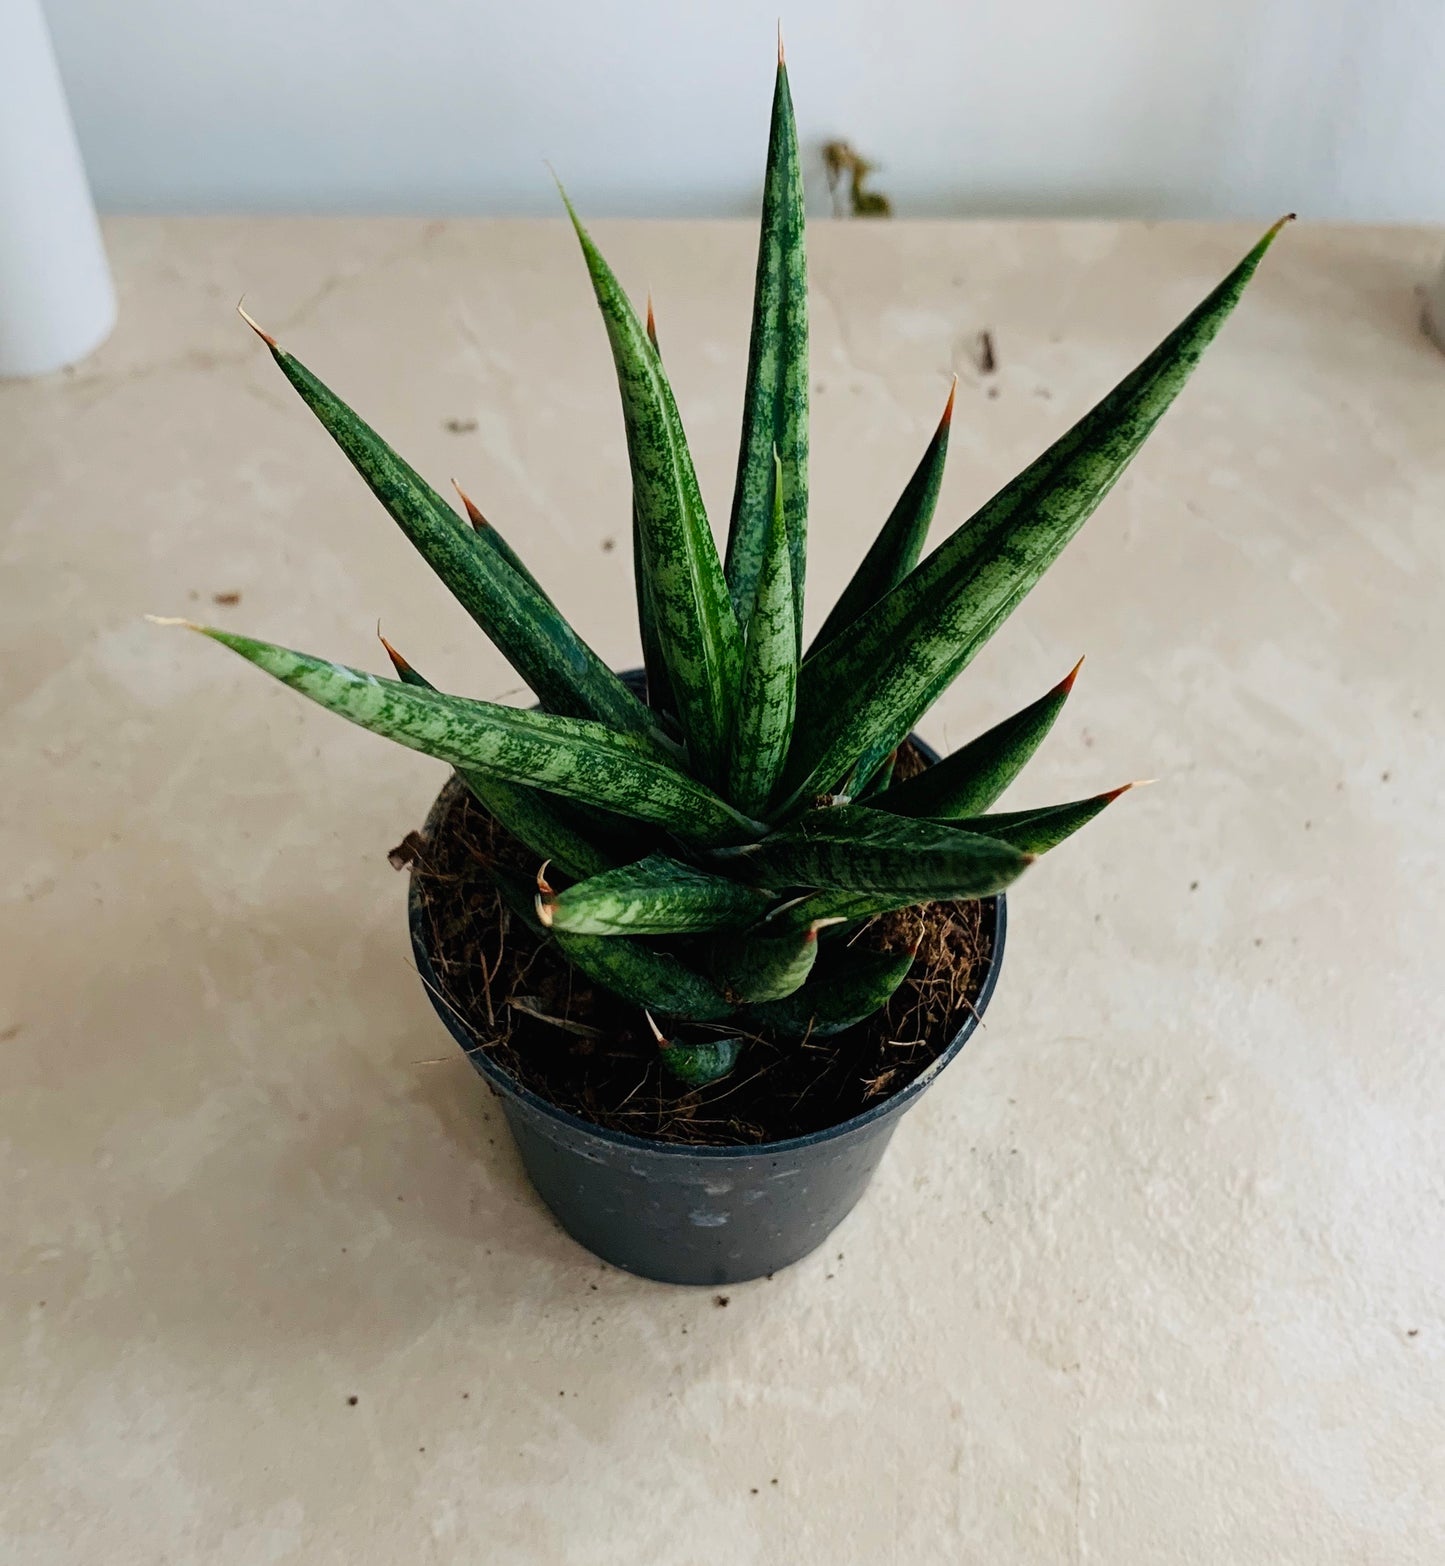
(699, 1215)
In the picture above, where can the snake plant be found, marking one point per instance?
(698, 838)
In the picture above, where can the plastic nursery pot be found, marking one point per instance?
(698, 1215)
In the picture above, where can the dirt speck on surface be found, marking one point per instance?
(459, 426)
(482, 954)
(608, 545)
(987, 354)
(720, 1299)
(226, 600)
(352, 1401)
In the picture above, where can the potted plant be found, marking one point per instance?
(709, 929)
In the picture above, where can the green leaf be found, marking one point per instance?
(644, 976)
(756, 968)
(895, 551)
(567, 756)
(654, 896)
(659, 687)
(764, 722)
(489, 538)
(858, 849)
(696, 628)
(969, 780)
(567, 676)
(545, 825)
(835, 907)
(700, 1061)
(859, 696)
(859, 984)
(775, 398)
(880, 780)
(1037, 831)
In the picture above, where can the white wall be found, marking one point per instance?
(1153, 107)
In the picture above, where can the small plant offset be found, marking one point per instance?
(706, 852)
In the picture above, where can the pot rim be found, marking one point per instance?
(503, 1082)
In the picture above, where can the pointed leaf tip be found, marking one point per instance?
(265, 336)
(782, 58)
(947, 418)
(651, 321)
(402, 667)
(542, 902)
(174, 619)
(1066, 684)
(474, 515)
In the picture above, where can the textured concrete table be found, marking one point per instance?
(1153, 1275)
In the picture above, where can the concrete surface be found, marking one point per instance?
(1153, 1275)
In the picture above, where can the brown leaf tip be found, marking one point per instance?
(782, 57)
(265, 337)
(474, 516)
(402, 667)
(651, 321)
(1066, 684)
(947, 418)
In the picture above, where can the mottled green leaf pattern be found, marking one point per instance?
(1037, 831)
(657, 895)
(859, 696)
(568, 677)
(969, 780)
(859, 849)
(764, 723)
(775, 397)
(567, 756)
(838, 999)
(639, 973)
(541, 822)
(696, 628)
(696, 1062)
(754, 967)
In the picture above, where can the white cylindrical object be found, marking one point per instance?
(57, 302)
(1435, 307)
